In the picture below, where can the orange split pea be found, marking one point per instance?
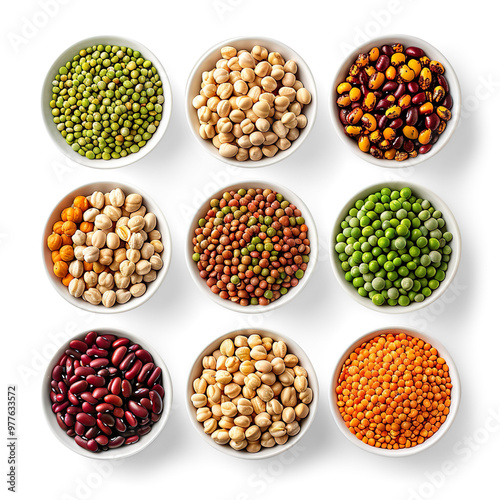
(394, 391)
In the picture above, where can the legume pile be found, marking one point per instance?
(252, 246)
(393, 247)
(251, 104)
(106, 247)
(107, 101)
(395, 102)
(106, 392)
(394, 391)
(251, 393)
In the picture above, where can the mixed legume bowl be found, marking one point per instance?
(251, 247)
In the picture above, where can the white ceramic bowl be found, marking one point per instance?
(455, 244)
(161, 225)
(123, 451)
(455, 394)
(433, 53)
(305, 424)
(46, 97)
(293, 291)
(207, 62)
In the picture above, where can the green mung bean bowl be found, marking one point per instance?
(64, 147)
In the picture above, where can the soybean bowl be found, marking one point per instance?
(293, 291)
(123, 451)
(305, 423)
(161, 226)
(46, 97)
(208, 61)
(432, 53)
(451, 226)
(454, 396)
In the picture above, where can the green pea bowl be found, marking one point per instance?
(137, 150)
(401, 270)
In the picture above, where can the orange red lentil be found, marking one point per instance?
(394, 391)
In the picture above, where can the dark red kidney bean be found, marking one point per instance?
(69, 420)
(118, 412)
(104, 407)
(63, 388)
(79, 345)
(342, 115)
(110, 337)
(102, 439)
(127, 361)
(116, 442)
(120, 342)
(398, 142)
(142, 392)
(408, 146)
(137, 409)
(146, 403)
(156, 401)
(55, 385)
(107, 419)
(73, 354)
(144, 355)
(432, 121)
(434, 138)
(447, 102)
(60, 398)
(397, 123)
(126, 388)
(96, 381)
(378, 94)
(84, 371)
(71, 432)
(390, 86)
(69, 367)
(118, 355)
(81, 442)
(60, 421)
(73, 379)
(104, 428)
(443, 82)
(120, 425)
(419, 98)
(85, 360)
(57, 373)
(115, 387)
(53, 397)
(88, 408)
(382, 122)
(382, 63)
(92, 432)
(383, 104)
(387, 50)
(414, 52)
(425, 149)
(73, 399)
(154, 376)
(411, 116)
(144, 372)
(113, 400)
(159, 389)
(99, 362)
(93, 351)
(89, 397)
(85, 419)
(130, 418)
(400, 90)
(413, 87)
(90, 338)
(92, 445)
(364, 89)
(134, 347)
(112, 371)
(103, 342)
(62, 360)
(79, 428)
(363, 78)
(74, 410)
(142, 431)
(154, 417)
(100, 392)
(103, 372)
(134, 370)
(132, 439)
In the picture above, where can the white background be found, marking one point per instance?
(178, 321)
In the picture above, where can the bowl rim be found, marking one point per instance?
(293, 347)
(49, 416)
(57, 139)
(311, 110)
(455, 394)
(451, 76)
(450, 222)
(312, 233)
(134, 301)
